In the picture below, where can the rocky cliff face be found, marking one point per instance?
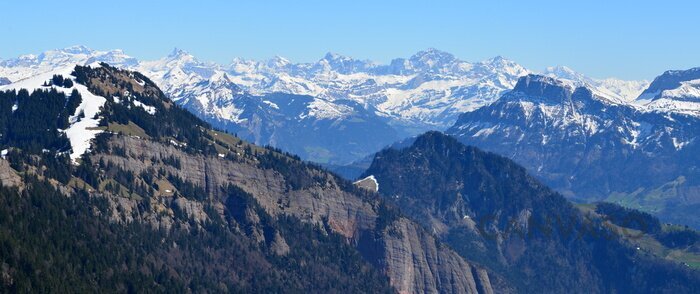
(414, 261)
(8, 176)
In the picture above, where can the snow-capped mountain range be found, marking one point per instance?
(428, 90)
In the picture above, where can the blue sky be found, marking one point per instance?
(624, 39)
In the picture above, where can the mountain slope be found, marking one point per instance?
(316, 129)
(193, 208)
(489, 209)
(676, 91)
(591, 148)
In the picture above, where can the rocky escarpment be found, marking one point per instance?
(413, 260)
(8, 176)
(417, 261)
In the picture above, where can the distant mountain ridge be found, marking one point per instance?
(592, 148)
(426, 91)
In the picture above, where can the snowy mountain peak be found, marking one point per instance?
(115, 57)
(502, 65)
(432, 58)
(220, 77)
(30, 65)
(331, 56)
(177, 53)
(539, 85)
(563, 72)
(611, 89)
(669, 80)
(502, 62)
(221, 80)
(432, 53)
(427, 90)
(277, 62)
(77, 49)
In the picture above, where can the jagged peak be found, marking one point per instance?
(278, 61)
(219, 76)
(499, 59)
(432, 53)
(559, 69)
(335, 56)
(177, 52)
(77, 49)
(572, 77)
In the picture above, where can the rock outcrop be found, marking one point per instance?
(414, 261)
(8, 176)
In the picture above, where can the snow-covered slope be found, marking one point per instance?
(83, 122)
(674, 91)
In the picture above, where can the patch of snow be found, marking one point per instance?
(83, 131)
(322, 109)
(177, 144)
(371, 178)
(271, 104)
(150, 109)
(678, 144)
(485, 132)
(96, 64)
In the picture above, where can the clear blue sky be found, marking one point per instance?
(625, 39)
